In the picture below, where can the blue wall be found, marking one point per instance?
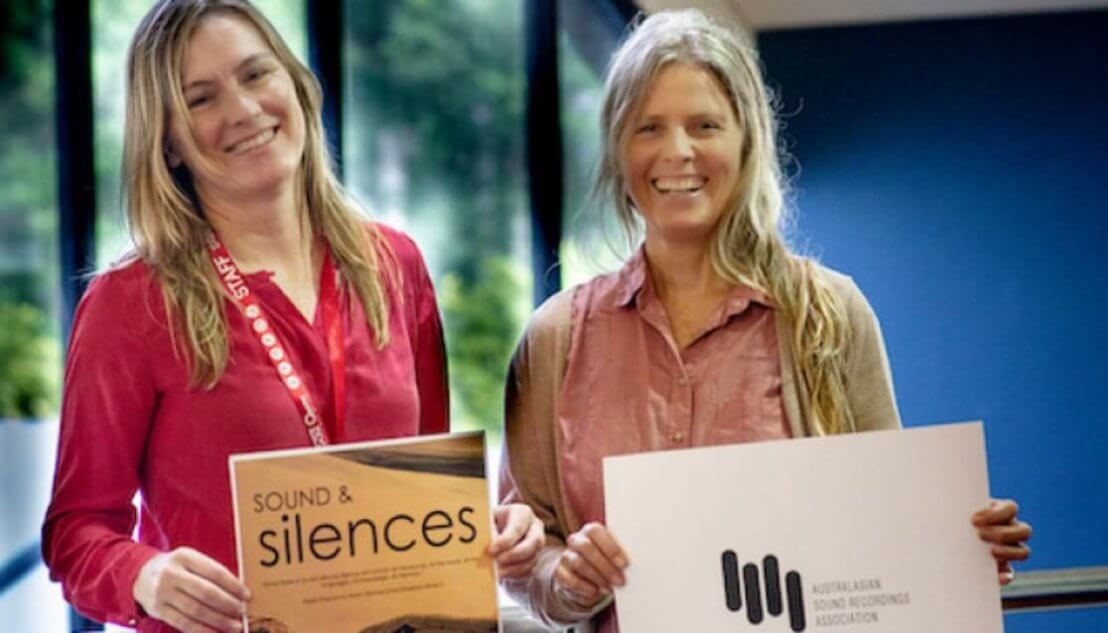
(959, 171)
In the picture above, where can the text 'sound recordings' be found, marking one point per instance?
(853, 602)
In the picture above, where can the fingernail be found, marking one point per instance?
(619, 581)
(621, 560)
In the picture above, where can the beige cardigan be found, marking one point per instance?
(529, 468)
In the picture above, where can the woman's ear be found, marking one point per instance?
(626, 188)
(171, 157)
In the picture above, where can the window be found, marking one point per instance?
(30, 305)
(592, 240)
(30, 353)
(434, 146)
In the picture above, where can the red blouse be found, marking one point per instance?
(130, 421)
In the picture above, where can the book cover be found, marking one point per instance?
(366, 538)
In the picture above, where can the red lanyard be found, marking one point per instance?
(240, 293)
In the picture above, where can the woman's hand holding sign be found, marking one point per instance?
(999, 525)
(191, 592)
(590, 566)
(519, 538)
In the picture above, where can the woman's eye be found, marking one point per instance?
(646, 127)
(256, 74)
(709, 125)
(198, 101)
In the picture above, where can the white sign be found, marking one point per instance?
(868, 532)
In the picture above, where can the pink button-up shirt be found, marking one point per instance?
(628, 387)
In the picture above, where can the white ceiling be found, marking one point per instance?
(760, 15)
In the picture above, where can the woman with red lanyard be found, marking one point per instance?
(259, 311)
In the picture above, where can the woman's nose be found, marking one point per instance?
(242, 105)
(678, 146)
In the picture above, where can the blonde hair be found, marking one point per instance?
(748, 246)
(164, 215)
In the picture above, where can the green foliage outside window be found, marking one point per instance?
(435, 141)
(481, 321)
(29, 346)
(28, 354)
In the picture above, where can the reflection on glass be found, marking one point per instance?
(434, 124)
(113, 24)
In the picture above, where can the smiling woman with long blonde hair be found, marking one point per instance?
(260, 310)
(714, 332)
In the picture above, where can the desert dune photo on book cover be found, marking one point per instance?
(368, 539)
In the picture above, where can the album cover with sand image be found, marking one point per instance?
(378, 537)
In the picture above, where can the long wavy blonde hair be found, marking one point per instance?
(165, 218)
(748, 246)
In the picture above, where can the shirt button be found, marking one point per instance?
(678, 437)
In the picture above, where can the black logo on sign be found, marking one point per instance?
(748, 586)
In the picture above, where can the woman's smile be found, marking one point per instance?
(252, 142)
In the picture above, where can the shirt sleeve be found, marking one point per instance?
(428, 343)
(527, 468)
(869, 379)
(109, 399)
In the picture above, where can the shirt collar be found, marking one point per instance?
(634, 286)
(632, 278)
